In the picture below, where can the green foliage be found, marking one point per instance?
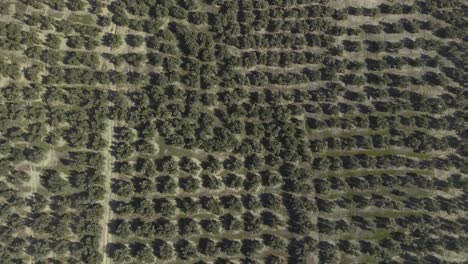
(232, 131)
(135, 40)
(112, 40)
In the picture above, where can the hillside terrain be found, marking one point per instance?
(233, 131)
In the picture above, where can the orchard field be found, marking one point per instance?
(233, 131)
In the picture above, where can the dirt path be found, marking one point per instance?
(33, 174)
(33, 183)
(106, 238)
(108, 177)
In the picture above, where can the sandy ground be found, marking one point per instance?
(108, 177)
